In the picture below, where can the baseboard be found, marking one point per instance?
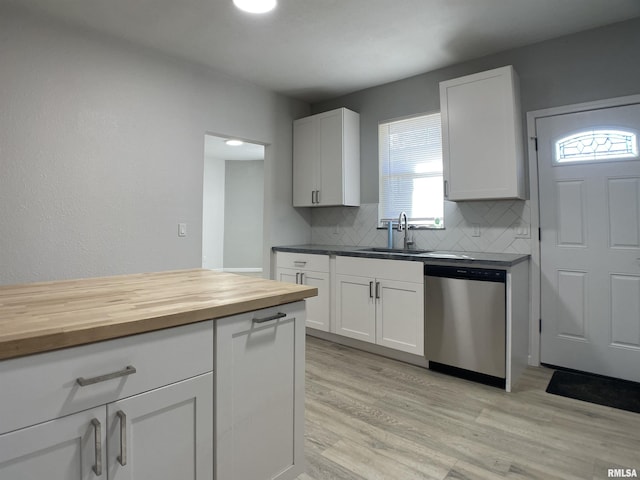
(370, 347)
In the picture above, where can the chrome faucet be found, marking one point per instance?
(404, 227)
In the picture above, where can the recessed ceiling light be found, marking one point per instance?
(234, 143)
(255, 6)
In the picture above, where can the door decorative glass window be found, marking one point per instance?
(597, 145)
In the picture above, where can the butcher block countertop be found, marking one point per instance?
(40, 317)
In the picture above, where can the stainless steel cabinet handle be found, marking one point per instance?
(97, 429)
(377, 289)
(299, 263)
(297, 278)
(122, 458)
(313, 196)
(302, 278)
(446, 189)
(128, 370)
(370, 289)
(269, 318)
(317, 196)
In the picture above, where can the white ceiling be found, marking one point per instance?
(215, 147)
(319, 49)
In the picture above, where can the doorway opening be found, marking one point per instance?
(233, 204)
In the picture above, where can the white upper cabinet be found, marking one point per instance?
(326, 159)
(482, 136)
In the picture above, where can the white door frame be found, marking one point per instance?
(534, 194)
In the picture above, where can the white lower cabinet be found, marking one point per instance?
(400, 316)
(60, 449)
(311, 270)
(356, 307)
(318, 315)
(132, 408)
(375, 304)
(163, 434)
(260, 394)
(147, 406)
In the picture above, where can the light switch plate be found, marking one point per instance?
(522, 230)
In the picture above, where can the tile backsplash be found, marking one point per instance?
(503, 227)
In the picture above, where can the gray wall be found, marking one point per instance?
(597, 64)
(213, 213)
(101, 153)
(243, 213)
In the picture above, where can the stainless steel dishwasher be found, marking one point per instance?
(465, 322)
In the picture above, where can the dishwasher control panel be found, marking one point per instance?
(466, 273)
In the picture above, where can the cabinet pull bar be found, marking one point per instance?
(122, 458)
(313, 196)
(446, 189)
(297, 278)
(302, 278)
(301, 263)
(269, 318)
(370, 289)
(128, 370)
(377, 289)
(97, 429)
(317, 196)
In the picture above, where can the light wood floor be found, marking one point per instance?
(368, 417)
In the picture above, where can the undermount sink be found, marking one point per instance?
(457, 256)
(398, 251)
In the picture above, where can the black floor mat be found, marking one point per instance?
(606, 391)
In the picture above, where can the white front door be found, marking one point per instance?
(590, 240)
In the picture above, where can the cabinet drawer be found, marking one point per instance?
(44, 386)
(406, 271)
(303, 261)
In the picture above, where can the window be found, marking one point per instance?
(597, 145)
(410, 162)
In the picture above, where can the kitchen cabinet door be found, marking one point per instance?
(312, 270)
(400, 315)
(287, 275)
(318, 315)
(305, 161)
(164, 434)
(318, 312)
(356, 307)
(260, 394)
(67, 448)
(330, 158)
(482, 151)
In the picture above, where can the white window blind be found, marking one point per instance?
(410, 161)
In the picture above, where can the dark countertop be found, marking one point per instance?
(435, 256)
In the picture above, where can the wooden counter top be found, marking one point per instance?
(39, 317)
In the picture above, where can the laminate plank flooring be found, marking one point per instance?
(369, 417)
